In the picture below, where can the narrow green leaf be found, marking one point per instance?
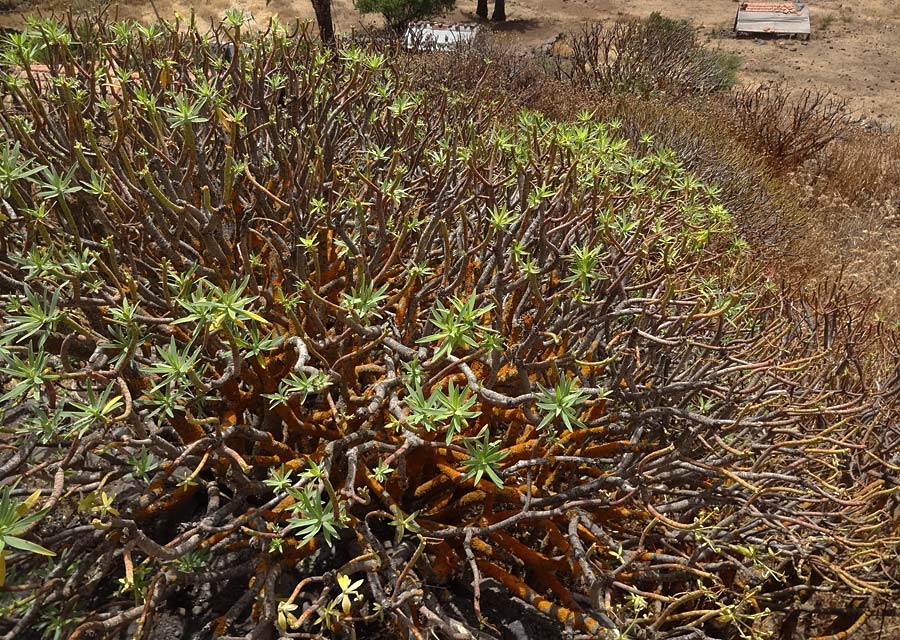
(24, 545)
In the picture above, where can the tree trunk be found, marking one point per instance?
(323, 19)
(499, 14)
(481, 10)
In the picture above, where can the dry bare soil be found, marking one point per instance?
(854, 51)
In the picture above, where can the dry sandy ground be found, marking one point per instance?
(854, 51)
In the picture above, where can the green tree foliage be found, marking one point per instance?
(399, 13)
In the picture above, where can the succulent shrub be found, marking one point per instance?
(314, 350)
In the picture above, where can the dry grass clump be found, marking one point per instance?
(852, 239)
(856, 246)
(864, 166)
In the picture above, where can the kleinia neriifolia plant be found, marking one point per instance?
(290, 334)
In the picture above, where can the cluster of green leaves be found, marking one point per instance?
(451, 410)
(15, 519)
(314, 515)
(297, 385)
(561, 403)
(212, 307)
(458, 328)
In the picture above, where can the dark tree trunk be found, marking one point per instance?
(499, 14)
(323, 19)
(481, 10)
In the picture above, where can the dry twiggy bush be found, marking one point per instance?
(789, 129)
(312, 349)
(656, 56)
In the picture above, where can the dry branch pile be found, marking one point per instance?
(309, 349)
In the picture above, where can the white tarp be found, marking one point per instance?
(438, 36)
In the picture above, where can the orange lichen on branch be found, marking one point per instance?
(524, 553)
(188, 431)
(565, 616)
(166, 502)
(849, 631)
(444, 561)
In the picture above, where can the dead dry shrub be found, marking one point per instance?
(656, 56)
(789, 130)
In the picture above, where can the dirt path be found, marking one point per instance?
(854, 51)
